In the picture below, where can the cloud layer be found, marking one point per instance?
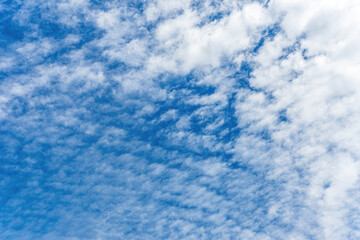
(179, 120)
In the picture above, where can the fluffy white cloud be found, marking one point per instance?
(315, 88)
(188, 44)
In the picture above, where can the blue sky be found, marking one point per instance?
(179, 119)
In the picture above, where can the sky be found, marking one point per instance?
(179, 119)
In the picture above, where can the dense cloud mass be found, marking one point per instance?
(179, 119)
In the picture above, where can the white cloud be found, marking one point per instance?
(316, 102)
(188, 45)
(160, 8)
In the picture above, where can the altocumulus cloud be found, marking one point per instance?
(178, 119)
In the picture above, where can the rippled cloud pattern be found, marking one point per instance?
(179, 119)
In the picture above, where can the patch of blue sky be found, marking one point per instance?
(267, 35)
(9, 30)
